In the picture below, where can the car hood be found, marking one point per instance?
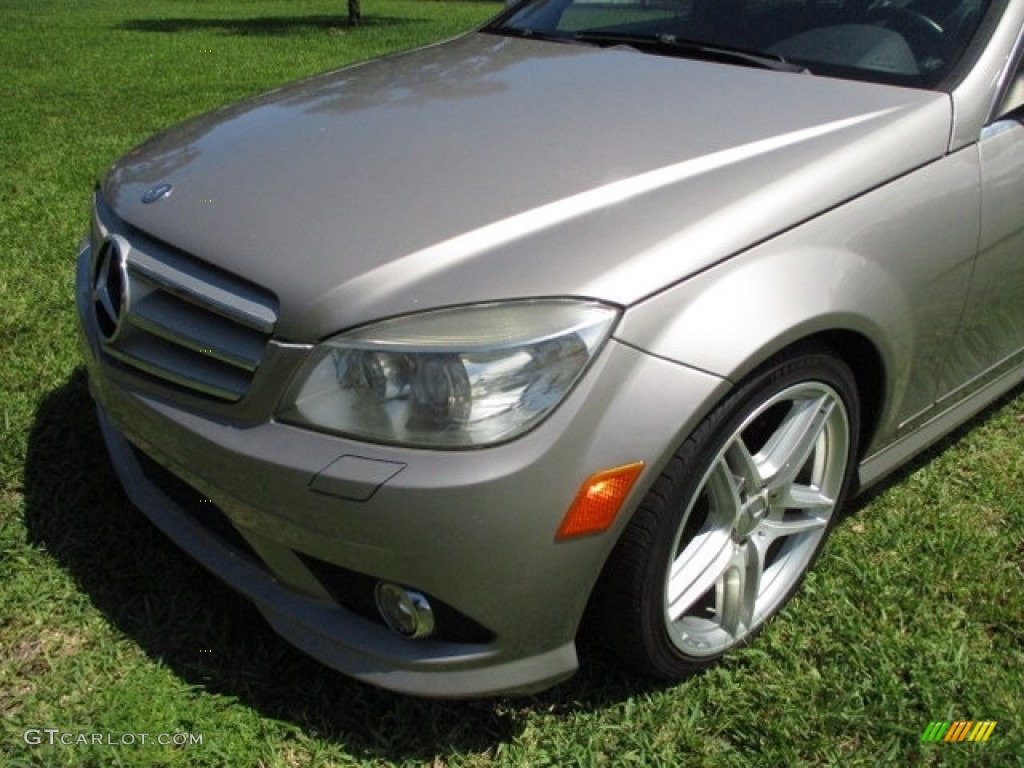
(489, 168)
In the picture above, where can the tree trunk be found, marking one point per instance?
(355, 13)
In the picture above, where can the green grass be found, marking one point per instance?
(915, 612)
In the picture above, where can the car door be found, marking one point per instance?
(993, 322)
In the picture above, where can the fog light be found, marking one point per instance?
(407, 612)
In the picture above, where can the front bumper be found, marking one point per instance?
(304, 524)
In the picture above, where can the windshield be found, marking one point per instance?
(906, 42)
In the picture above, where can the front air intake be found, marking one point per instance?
(174, 318)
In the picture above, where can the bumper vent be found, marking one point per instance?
(175, 318)
(200, 509)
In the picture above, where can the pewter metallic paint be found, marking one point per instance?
(365, 201)
(731, 212)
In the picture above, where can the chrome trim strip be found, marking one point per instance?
(188, 326)
(204, 294)
(192, 344)
(194, 384)
(875, 467)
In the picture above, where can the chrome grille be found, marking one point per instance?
(175, 318)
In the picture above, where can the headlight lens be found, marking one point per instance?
(460, 377)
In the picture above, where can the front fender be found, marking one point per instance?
(892, 266)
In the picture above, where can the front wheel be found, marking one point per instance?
(729, 529)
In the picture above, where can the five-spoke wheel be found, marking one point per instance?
(736, 519)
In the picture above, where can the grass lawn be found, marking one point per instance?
(914, 614)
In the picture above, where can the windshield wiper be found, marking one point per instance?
(674, 46)
(527, 34)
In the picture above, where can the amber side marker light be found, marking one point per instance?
(598, 501)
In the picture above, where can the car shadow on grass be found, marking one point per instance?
(183, 617)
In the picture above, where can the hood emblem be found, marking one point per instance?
(157, 192)
(110, 291)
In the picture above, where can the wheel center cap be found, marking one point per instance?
(754, 511)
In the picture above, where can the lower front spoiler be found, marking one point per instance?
(327, 632)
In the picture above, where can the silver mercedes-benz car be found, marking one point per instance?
(587, 321)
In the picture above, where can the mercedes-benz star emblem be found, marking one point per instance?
(110, 287)
(157, 192)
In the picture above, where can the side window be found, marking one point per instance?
(1013, 100)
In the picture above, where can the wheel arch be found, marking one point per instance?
(737, 316)
(868, 368)
(860, 355)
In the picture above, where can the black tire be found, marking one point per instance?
(738, 533)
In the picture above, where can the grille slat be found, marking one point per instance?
(207, 291)
(188, 326)
(179, 365)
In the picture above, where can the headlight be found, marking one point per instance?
(460, 377)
